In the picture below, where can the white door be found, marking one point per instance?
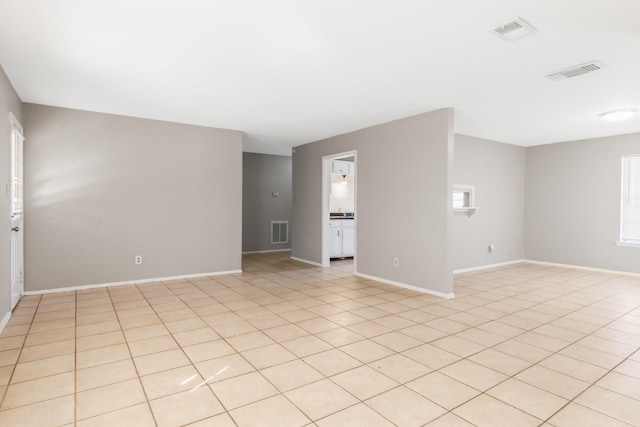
(17, 256)
(17, 213)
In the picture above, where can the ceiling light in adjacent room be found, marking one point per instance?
(617, 115)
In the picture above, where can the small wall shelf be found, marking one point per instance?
(470, 210)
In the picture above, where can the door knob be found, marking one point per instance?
(15, 228)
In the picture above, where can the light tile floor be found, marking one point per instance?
(286, 344)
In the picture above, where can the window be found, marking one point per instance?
(630, 217)
(463, 197)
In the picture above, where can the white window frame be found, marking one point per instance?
(469, 190)
(625, 188)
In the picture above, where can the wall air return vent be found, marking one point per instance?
(514, 29)
(279, 232)
(577, 70)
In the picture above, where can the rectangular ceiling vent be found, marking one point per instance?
(514, 29)
(577, 70)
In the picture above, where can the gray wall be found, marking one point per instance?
(9, 102)
(263, 174)
(573, 203)
(101, 189)
(497, 172)
(402, 202)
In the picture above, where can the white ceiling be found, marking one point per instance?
(288, 72)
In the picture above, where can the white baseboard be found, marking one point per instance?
(405, 286)
(130, 282)
(4, 321)
(580, 267)
(485, 267)
(266, 252)
(306, 261)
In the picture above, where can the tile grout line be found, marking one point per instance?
(346, 326)
(313, 382)
(509, 338)
(9, 383)
(135, 367)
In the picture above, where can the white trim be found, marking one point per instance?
(463, 188)
(485, 267)
(266, 251)
(14, 124)
(580, 267)
(627, 244)
(4, 321)
(306, 261)
(405, 286)
(324, 206)
(130, 282)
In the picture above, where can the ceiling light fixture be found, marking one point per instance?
(616, 115)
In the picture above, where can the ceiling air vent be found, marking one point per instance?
(514, 29)
(577, 70)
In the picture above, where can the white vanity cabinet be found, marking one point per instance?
(342, 240)
(348, 238)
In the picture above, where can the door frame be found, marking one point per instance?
(326, 192)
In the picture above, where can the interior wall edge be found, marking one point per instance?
(583, 267)
(489, 266)
(406, 286)
(306, 261)
(4, 321)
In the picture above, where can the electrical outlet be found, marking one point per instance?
(491, 248)
(138, 259)
(396, 262)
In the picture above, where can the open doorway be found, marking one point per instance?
(339, 219)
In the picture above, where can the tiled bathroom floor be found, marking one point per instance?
(286, 344)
